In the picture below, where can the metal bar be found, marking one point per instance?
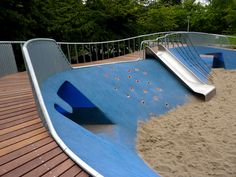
(76, 54)
(68, 52)
(83, 53)
(96, 51)
(102, 52)
(113, 50)
(90, 53)
(118, 48)
(108, 51)
(134, 45)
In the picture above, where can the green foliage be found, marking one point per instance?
(97, 20)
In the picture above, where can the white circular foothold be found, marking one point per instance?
(128, 95)
(136, 69)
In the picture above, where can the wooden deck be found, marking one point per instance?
(26, 148)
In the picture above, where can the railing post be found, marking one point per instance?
(83, 53)
(68, 52)
(134, 45)
(129, 45)
(96, 50)
(118, 48)
(113, 50)
(108, 51)
(76, 54)
(102, 52)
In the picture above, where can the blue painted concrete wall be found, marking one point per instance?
(126, 93)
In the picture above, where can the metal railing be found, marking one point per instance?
(81, 52)
(184, 44)
(76, 52)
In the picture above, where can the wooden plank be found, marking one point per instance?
(16, 122)
(20, 131)
(74, 170)
(3, 103)
(15, 102)
(60, 168)
(48, 166)
(16, 106)
(18, 116)
(30, 165)
(17, 110)
(21, 137)
(82, 174)
(22, 151)
(23, 143)
(19, 126)
(26, 158)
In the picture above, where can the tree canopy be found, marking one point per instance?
(98, 20)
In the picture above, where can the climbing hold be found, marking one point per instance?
(145, 73)
(136, 69)
(155, 98)
(117, 78)
(149, 83)
(167, 105)
(145, 91)
(129, 71)
(158, 89)
(129, 77)
(142, 101)
(115, 88)
(128, 95)
(137, 81)
(132, 89)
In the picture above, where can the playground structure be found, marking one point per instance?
(119, 96)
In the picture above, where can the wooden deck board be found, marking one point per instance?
(26, 148)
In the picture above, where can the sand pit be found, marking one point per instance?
(197, 139)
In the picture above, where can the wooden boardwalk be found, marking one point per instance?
(26, 148)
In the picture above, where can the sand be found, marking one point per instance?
(197, 139)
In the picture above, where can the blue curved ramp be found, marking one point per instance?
(119, 96)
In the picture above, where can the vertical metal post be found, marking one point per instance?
(83, 53)
(134, 45)
(102, 52)
(68, 52)
(76, 54)
(90, 53)
(108, 52)
(124, 47)
(129, 46)
(118, 48)
(113, 50)
(96, 50)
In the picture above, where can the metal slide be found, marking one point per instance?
(183, 73)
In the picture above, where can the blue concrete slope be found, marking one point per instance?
(119, 95)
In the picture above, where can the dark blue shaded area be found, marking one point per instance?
(73, 96)
(83, 110)
(125, 93)
(224, 57)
